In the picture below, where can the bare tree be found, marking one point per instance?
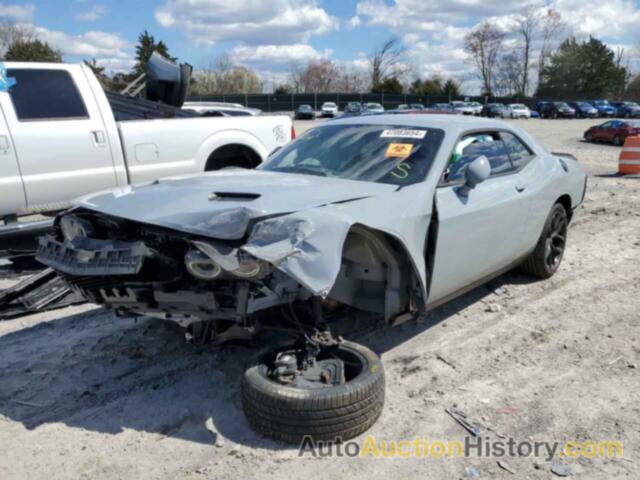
(316, 76)
(386, 61)
(527, 28)
(11, 33)
(224, 77)
(484, 45)
(551, 25)
(352, 80)
(509, 74)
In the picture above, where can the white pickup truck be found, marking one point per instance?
(60, 139)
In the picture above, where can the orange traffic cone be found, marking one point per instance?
(630, 156)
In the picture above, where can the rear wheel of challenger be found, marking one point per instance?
(617, 140)
(545, 260)
(339, 397)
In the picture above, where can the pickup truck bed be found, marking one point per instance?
(128, 108)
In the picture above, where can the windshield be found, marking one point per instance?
(561, 105)
(374, 106)
(518, 106)
(602, 103)
(329, 104)
(392, 154)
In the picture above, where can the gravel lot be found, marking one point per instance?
(86, 395)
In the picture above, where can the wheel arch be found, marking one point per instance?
(226, 140)
(565, 201)
(376, 264)
(232, 155)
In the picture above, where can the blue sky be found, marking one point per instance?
(271, 35)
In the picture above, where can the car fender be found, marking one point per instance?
(307, 245)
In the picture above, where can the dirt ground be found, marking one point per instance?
(86, 395)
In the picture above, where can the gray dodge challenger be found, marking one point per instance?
(358, 224)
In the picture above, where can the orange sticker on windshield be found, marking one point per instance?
(399, 150)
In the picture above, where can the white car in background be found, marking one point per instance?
(476, 106)
(329, 109)
(220, 109)
(519, 110)
(464, 108)
(374, 107)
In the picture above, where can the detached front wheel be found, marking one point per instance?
(337, 395)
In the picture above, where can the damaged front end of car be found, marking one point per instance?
(274, 277)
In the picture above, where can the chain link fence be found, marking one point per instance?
(290, 102)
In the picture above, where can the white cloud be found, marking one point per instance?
(109, 49)
(611, 18)
(277, 22)
(87, 45)
(18, 13)
(276, 58)
(434, 30)
(92, 14)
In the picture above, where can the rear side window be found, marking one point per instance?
(518, 151)
(41, 94)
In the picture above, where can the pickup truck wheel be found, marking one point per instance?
(338, 398)
(545, 260)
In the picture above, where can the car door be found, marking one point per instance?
(617, 129)
(12, 194)
(601, 131)
(482, 233)
(58, 134)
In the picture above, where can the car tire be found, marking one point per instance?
(546, 258)
(555, 115)
(618, 141)
(327, 413)
(588, 137)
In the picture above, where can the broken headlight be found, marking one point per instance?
(249, 267)
(73, 227)
(201, 266)
(232, 261)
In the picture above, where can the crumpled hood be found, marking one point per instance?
(222, 204)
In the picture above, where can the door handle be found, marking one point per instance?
(4, 145)
(98, 137)
(520, 187)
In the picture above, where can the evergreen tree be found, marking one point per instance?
(388, 85)
(32, 51)
(146, 46)
(582, 70)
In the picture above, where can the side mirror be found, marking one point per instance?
(477, 172)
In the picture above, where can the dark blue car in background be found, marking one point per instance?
(604, 108)
(627, 109)
(584, 110)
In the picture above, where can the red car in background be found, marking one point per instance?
(613, 131)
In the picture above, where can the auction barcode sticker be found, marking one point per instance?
(403, 133)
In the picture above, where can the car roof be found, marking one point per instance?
(444, 122)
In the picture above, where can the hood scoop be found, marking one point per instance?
(233, 196)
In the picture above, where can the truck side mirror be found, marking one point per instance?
(477, 172)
